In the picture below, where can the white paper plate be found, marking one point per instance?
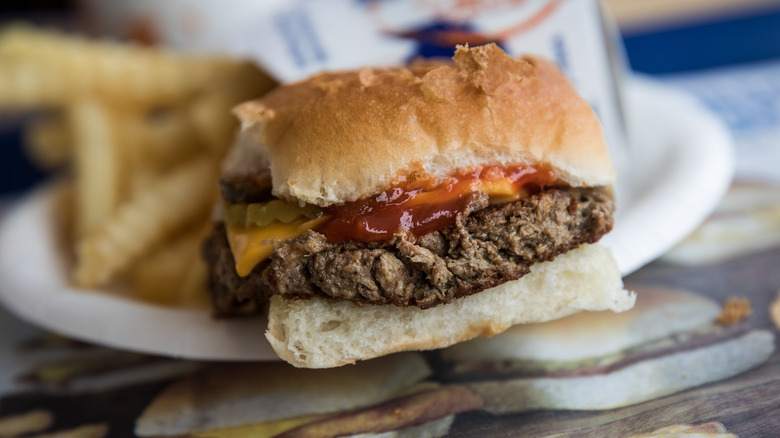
(682, 166)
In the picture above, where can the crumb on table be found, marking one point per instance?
(734, 311)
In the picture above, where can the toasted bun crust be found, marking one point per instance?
(318, 333)
(339, 137)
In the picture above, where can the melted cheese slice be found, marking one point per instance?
(252, 245)
(501, 191)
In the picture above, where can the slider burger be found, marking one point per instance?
(385, 210)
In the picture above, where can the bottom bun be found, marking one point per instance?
(319, 333)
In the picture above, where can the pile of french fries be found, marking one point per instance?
(143, 131)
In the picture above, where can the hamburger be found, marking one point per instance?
(383, 210)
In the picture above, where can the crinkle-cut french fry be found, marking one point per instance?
(69, 66)
(141, 181)
(218, 130)
(48, 141)
(25, 423)
(160, 139)
(25, 84)
(186, 193)
(194, 292)
(156, 278)
(86, 431)
(211, 110)
(20, 38)
(151, 142)
(97, 163)
(164, 276)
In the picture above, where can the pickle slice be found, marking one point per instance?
(262, 214)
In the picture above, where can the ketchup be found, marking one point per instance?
(422, 206)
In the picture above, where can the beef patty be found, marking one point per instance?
(487, 246)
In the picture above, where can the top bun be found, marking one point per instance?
(339, 137)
